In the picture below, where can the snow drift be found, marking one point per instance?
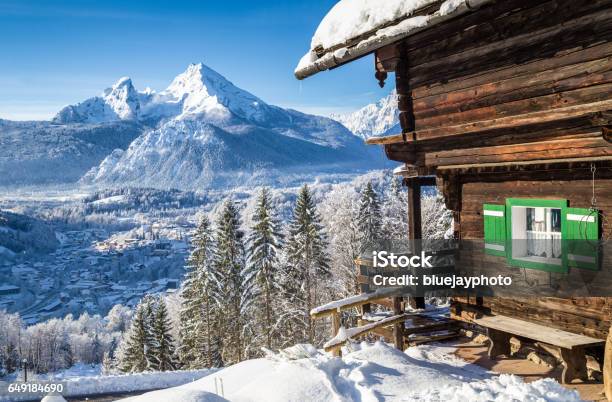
(370, 373)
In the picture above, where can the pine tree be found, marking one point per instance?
(199, 330)
(108, 363)
(395, 211)
(133, 356)
(163, 344)
(264, 244)
(235, 283)
(307, 265)
(369, 220)
(149, 306)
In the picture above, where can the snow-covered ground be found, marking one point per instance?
(370, 372)
(86, 380)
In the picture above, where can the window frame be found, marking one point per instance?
(535, 203)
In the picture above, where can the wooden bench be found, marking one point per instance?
(571, 346)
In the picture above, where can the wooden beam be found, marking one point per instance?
(335, 319)
(414, 209)
(356, 332)
(379, 295)
(526, 163)
(524, 102)
(555, 149)
(544, 116)
(530, 85)
(607, 367)
(398, 327)
(404, 94)
(415, 232)
(583, 31)
(528, 69)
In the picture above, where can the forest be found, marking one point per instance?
(252, 277)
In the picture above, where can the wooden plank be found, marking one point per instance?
(589, 29)
(527, 69)
(514, 88)
(355, 301)
(359, 331)
(523, 163)
(398, 327)
(421, 339)
(523, 105)
(517, 17)
(558, 149)
(430, 327)
(539, 117)
(538, 332)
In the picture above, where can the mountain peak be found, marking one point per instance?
(199, 92)
(122, 98)
(373, 120)
(123, 82)
(205, 92)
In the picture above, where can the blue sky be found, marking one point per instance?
(54, 53)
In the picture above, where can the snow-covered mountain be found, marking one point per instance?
(210, 133)
(202, 131)
(120, 102)
(375, 119)
(199, 91)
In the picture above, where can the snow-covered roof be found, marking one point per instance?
(354, 28)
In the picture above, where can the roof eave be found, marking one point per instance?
(344, 55)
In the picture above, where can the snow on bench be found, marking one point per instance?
(354, 301)
(344, 334)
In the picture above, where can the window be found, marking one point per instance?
(536, 234)
(542, 234)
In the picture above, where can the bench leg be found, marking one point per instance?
(574, 365)
(499, 343)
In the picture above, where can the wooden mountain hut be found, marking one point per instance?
(505, 106)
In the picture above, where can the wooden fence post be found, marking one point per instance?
(335, 318)
(398, 328)
(607, 367)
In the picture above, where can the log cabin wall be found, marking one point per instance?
(588, 316)
(512, 100)
(516, 80)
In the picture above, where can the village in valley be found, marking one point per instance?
(90, 272)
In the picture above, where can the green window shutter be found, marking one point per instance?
(494, 229)
(581, 237)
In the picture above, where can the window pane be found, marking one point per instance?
(555, 217)
(530, 216)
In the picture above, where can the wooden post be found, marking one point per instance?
(335, 319)
(499, 343)
(415, 233)
(404, 95)
(398, 328)
(607, 367)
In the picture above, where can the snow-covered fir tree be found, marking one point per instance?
(163, 344)
(339, 212)
(108, 364)
(199, 316)
(264, 243)
(369, 220)
(395, 210)
(133, 351)
(235, 284)
(437, 220)
(149, 303)
(306, 270)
